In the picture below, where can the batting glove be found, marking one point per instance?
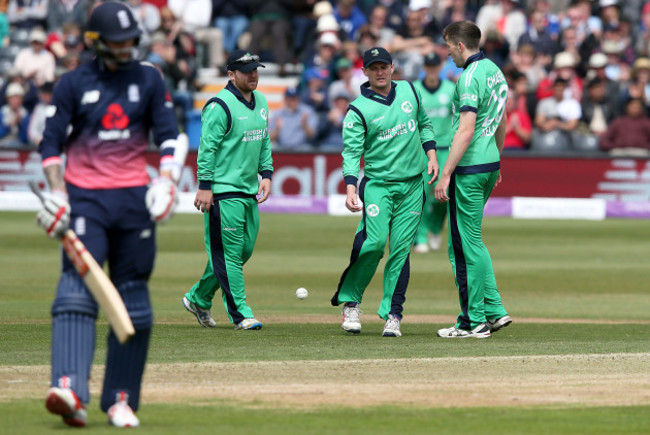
(54, 217)
(161, 199)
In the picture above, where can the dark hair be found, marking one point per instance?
(560, 81)
(595, 82)
(463, 31)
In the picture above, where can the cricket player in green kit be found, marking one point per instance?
(388, 127)
(436, 99)
(468, 177)
(234, 149)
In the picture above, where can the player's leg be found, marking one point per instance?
(471, 258)
(404, 223)
(202, 292)
(132, 249)
(494, 308)
(369, 243)
(422, 234)
(227, 240)
(74, 312)
(438, 209)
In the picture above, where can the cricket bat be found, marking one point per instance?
(99, 285)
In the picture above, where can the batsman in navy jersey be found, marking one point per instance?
(101, 118)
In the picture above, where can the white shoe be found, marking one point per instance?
(249, 323)
(481, 331)
(351, 321)
(391, 329)
(435, 241)
(64, 402)
(203, 316)
(501, 322)
(421, 248)
(121, 414)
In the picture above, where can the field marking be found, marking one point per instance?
(617, 379)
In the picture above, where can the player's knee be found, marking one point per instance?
(73, 297)
(136, 298)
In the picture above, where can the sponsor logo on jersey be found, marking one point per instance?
(134, 93)
(257, 134)
(229, 229)
(396, 131)
(470, 97)
(90, 97)
(372, 210)
(377, 119)
(241, 118)
(443, 99)
(407, 107)
(115, 122)
(263, 114)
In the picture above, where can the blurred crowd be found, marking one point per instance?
(578, 70)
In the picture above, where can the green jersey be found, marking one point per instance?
(482, 89)
(235, 144)
(388, 132)
(437, 105)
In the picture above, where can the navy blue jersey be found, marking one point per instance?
(111, 114)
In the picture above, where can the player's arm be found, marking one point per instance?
(265, 169)
(427, 137)
(214, 125)
(354, 132)
(459, 145)
(500, 134)
(164, 126)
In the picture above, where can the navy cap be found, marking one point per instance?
(432, 59)
(291, 92)
(376, 54)
(244, 61)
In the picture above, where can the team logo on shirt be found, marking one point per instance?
(115, 121)
(263, 114)
(407, 107)
(372, 210)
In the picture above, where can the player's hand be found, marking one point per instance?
(161, 199)
(433, 169)
(352, 200)
(441, 189)
(54, 217)
(499, 179)
(264, 190)
(203, 200)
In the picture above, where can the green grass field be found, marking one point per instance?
(575, 360)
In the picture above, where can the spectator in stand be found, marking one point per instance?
(512, 22)
(60, 12)
(563, 68)
(314, 93)
(597, 64)
(30, 90)
(496, 48)
(639, 86)
(597, 113)
(527, 63)
(148, 18)
(377, 24)
(538, 35)
(580, 19)
(643, 34)
(555, 118)
(610, 13)
(194, 17)
(628, 134)
(617, 69)
(327, 48)
(176, 73)
(551, 21)
(411, 44)
(333, 127)
(183, 41)
(68, 39)
(519, 127)
(27, 14)
(349, 17)
(14, 118)
(293, 127)
(346, 83)
(231, 17)
(272, 17)
(525, 98)
(39, 114)
(4, 30)
(423, 7)
(35, 62)
(457, 11)
(396, 12)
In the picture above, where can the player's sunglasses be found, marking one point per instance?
(248, 58)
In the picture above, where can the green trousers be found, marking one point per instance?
(392, 212)
(230, 232)
(434, 213)
(470, 259)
